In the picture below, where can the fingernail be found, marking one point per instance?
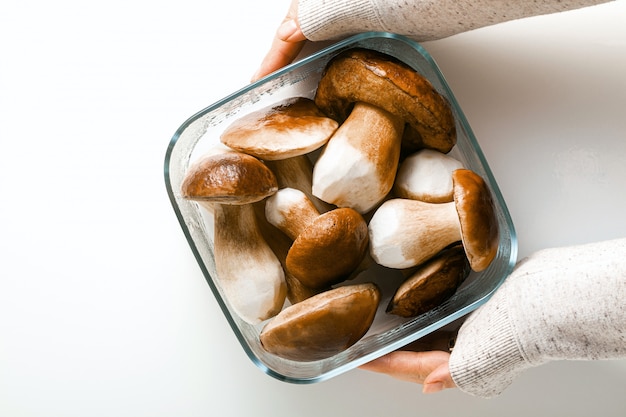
(432, 387)
(287, 29)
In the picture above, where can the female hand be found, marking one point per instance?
(286, 45)
(425, 366)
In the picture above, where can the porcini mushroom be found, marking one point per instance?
(294, 172)
(373, 96)
(430, 284)
(361, 75)
(323, 325)
(280, 244)
(292, 127)
(405, 233)
(227, 184)
(426, 175)
(326, 247)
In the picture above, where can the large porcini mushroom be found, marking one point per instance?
(405, 233)
(430, 284)
(326, 247)
(323, 325)
(373, 96)
(361, 75)
(426, 175)
(227, 184)
(292, 127)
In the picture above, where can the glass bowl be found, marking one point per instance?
(201, 132)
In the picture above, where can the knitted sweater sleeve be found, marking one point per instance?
(421, 20)
(558, 304)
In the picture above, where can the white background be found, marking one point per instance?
(103, 309)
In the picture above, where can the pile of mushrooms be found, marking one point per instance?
(309, 192)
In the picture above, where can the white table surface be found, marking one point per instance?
(103, 309)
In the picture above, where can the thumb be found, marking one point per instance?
(289, 31)
(438, 380)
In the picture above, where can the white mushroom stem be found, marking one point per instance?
(291, 211)
(358, 165)
(248, 270)
(426, 175)
(404, 233)
(297, 172)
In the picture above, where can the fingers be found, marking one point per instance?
(281, 53)
(416, 367)
(438, 340)
(439, 379)
(289, 31)
(287, 44)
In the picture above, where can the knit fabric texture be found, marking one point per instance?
(422, 20)
(559, 304)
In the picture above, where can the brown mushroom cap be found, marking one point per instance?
(292, 127)
(477, 216)
(361, 75)
(323, 325)
(329, 248)
(228, 178)
(431, 284)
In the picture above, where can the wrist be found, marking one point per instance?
(320, 21)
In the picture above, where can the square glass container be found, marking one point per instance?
(202, 131)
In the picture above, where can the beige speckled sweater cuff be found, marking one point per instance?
(559, 304)
(421, 20)
(324, 20)
(487, 357)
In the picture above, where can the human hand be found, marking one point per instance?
(429, 368)
(286, 45)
